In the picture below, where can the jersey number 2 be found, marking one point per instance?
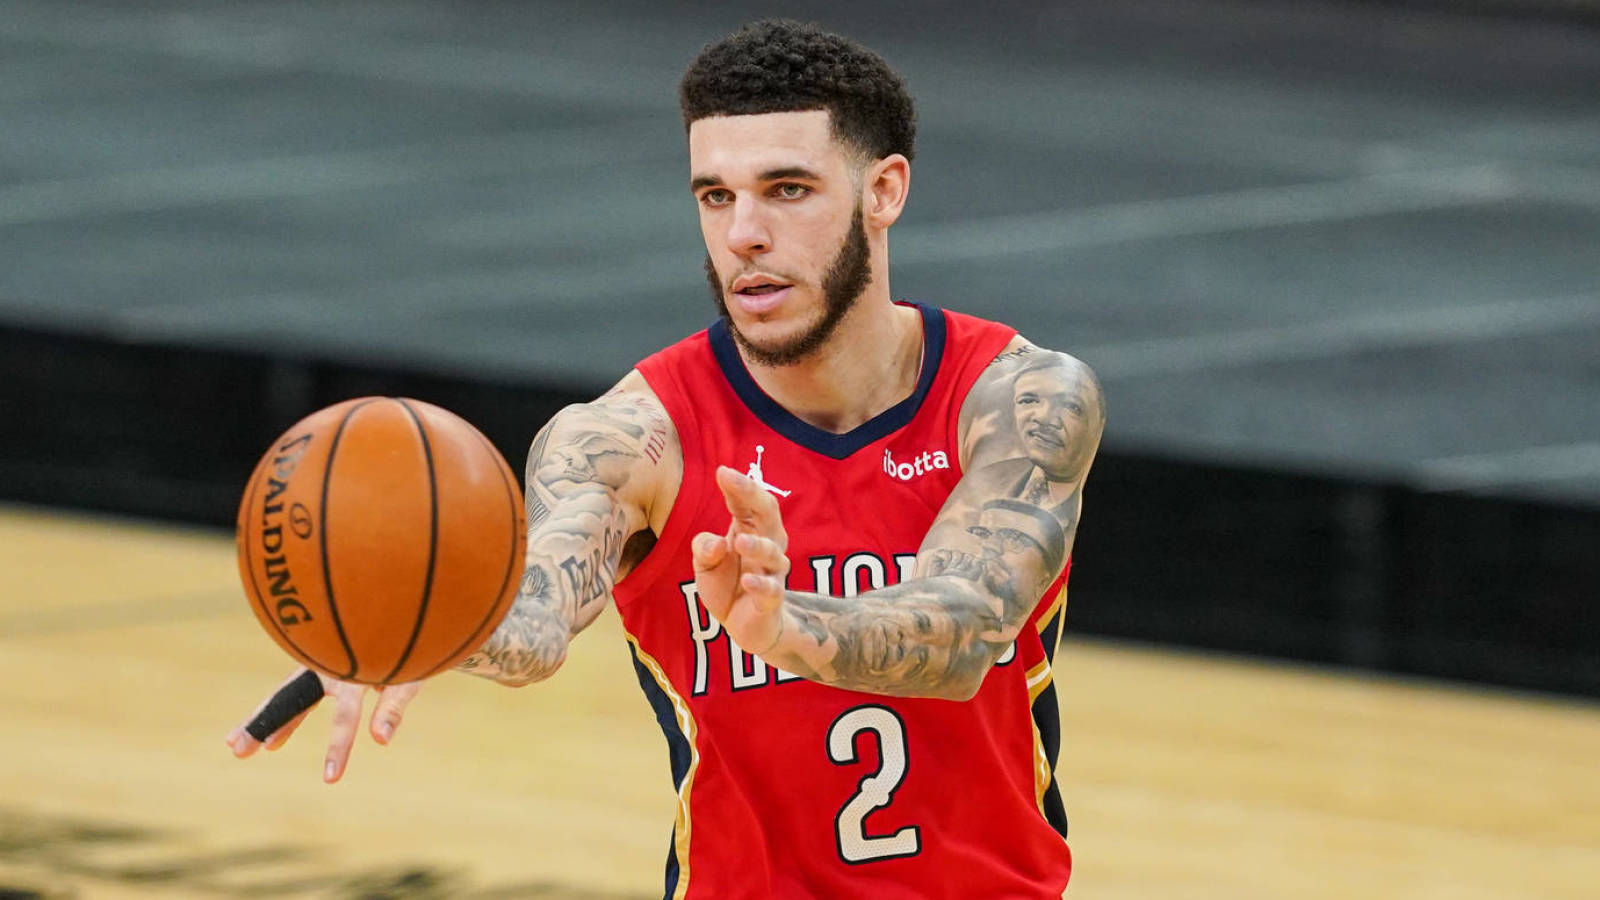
(876, 790)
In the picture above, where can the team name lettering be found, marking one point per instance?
(275, 563)
(855, 574)
(917, 467)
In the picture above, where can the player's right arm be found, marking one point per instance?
(600, 479)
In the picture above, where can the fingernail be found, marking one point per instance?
(329, 770)
(386, 731)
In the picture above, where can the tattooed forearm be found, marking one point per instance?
(582, 483)
(1003, 536)
(530, 643)
(932, 637)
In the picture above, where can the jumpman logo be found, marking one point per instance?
(755, 474)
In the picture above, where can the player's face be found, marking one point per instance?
(1050, 417)
(780, 211)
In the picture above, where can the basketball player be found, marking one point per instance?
(836, 526)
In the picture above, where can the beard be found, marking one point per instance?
(842, 286)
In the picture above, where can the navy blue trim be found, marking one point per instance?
(833, 446)
(678, 751)
(1050, 634)
(672, 866)
(1047, 717)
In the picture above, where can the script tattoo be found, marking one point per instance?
(1032, 425)
(580, 530)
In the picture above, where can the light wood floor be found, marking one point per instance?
(127, 652)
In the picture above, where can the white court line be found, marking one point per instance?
(516, 153)
(549, 289)
(1529, 465)
(618, 81)
(1382, 193)
(1142, 220)
(1569, 185)
(1356, 334)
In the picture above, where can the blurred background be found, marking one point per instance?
(1337, 264)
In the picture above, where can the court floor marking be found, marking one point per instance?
(592, 80)
(1562, 184)
(1525, 465)
(1252, 208)
(522, 153)
(1378, 194)
(215, 40)
(578, 78)
(551, 289)
(1451, 324)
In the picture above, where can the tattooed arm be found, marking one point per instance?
(600, 478)
(1030, 429)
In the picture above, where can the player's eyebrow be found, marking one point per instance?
(781, 174)
(787, 172)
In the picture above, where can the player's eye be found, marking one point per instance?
(791, 191)
(716, 197)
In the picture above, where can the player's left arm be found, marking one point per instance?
(1030, 428)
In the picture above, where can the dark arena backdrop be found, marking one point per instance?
(1337, 263)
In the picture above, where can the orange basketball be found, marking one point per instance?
(380, 540)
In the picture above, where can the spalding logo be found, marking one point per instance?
(280, 582)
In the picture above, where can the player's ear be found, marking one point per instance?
(888, 182)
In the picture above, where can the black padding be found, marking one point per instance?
(291, 700)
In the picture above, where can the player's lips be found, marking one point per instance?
(759, 293)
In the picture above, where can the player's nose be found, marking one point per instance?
(747, 229)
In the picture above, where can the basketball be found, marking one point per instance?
(380, 540)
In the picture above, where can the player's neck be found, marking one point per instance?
(870, 363)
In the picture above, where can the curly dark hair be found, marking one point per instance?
(779, 65)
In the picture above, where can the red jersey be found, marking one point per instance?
(792, 789)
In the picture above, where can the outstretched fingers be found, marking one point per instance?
(390, 709)
(241, 740)
(765, 590)
(282, 735)
(347, 702)
(760, 554)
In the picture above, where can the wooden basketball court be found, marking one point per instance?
(127, 652)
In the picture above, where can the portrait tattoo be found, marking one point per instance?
(1003, 536)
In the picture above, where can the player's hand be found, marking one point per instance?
(740, 575)
(347, 702)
